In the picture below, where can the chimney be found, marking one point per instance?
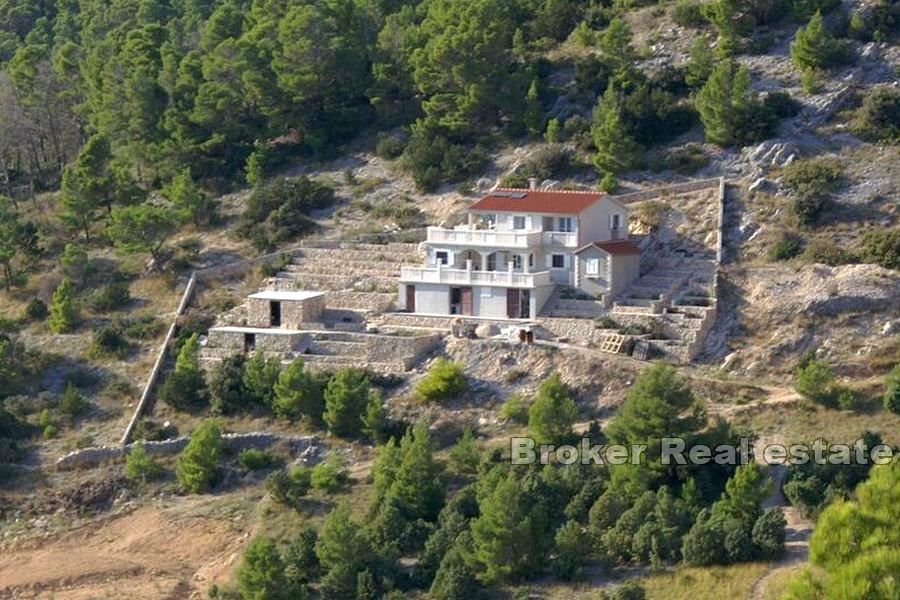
(532, 183)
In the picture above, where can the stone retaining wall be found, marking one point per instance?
(91, 457)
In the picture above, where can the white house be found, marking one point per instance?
(516, 247)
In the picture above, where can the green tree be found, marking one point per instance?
(226, 386)
(572, 547)
(615, 45)
(454, 579)
(552, 413)
(744, 494)
(464, 456)
(142, 228)
(730, 23)
(261, 575)
(17, 239)
(140, 466)
(815, 48)
(617, 150)
(87, 185)
(534, 110)
(343, 552)
(298, 394)
(416, 480)
(301, 562)
(346, 400)
(197, 467)
(892, 391)
(189, 198)
(63, 313)
(553, 135)
(260, 377)
(185, 388)
(727, 108)
(814, 380)
(700, 64)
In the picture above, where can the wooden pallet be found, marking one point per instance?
(612, 343)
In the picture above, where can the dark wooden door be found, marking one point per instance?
(249, 342)
(411, 298)
(525, 304)
(512, 303)
(466, 297)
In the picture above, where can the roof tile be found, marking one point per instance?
(562, 202)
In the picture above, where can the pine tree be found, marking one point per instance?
(553, 135)
(142, 228)
(454, 579)
(416, 480)
(298, 394)
(501, 534)
(815, 48)
(343, 552)
(261, 574)
(260, 378)
(140, 466)
(188, 198)
(617, 150)
(197, 466)
(346, 399)
(552, 413)
(227, 393)
(615, 44)
(534, 111)
(730, 23)
(63, 314)
(729, 113)
(700, 64)
(185, 388)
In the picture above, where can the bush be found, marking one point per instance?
(892, 391)
(288, 486)
(140, 466)
(389, 146)
(828, 253)
(347, 398)
(433, 158)
(73, 403)
(112, 296)
(554, 161)
(515, 409)
(552, 413)
(812, 181)
(63, 313)
(50, 432)
(254, 459)
(279, 211)
(36, 310)
(782, 105)
(464, 455)
(185, 388)
(881, 247)
(109, 341)
(687, 13)
(261, 574)
(197, 466)
(786, 247)
(815, 48)
(815, 382)
(330, 476)
(687, 160)
(226, 386)
(444, 380)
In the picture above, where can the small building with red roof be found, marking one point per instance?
(515, 248)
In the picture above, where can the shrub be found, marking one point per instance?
(330, 476)
(812, 181)
(279, 211)
(892, 391)
(554, 133)
(389, 146)
(197, 466)
(109, 341)
(434, 158)
(782, 105)
(288, 486)
(786, 247)
(515, 409)
(815, 382)
(50, 432)
(687, 13)
(444, 380)
(36, 310)
(226, 386)
(630, 590)
(608, 183)
(112, 296)
(261, 574)
(73, 402)
(815, 48)
(63, 313)
(881, 247)
(687, 160)
(254, 459)
(298, 394)
(464, 456)
(185, 388)
(828, 253)
(140, 466)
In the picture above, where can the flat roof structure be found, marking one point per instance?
(287, 295)
(255, 330)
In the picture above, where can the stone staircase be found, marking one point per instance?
(361, 277)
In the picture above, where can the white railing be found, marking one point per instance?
(559, 238)
(484, 237)
(473, 277)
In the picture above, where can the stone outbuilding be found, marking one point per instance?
(287, 309)
(606, 268)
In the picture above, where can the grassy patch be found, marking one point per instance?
(796, 423)
(712, 583)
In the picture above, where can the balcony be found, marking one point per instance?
(484, 237)
(443, 275)
(560, 238)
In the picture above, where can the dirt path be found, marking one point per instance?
(150, 553)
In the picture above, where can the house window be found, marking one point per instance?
(616, 221)
(517, 261)
(488, 221)
(548, 224)
(593, 266)
(518, 222)
(558, 261)
(566, 225)
(441, 257)
(531, 261)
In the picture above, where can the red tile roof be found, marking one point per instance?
(615, 247)
(540, 201)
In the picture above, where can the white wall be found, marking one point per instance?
(595, 221)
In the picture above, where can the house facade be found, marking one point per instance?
(516, 247)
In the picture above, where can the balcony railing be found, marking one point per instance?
(484, 237)
(472, 277)
(559, 238)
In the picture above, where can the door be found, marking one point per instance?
(466, 301)
(249, 342)
(411, 298)
(525, 304)
(274, 314)
(512, 303)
